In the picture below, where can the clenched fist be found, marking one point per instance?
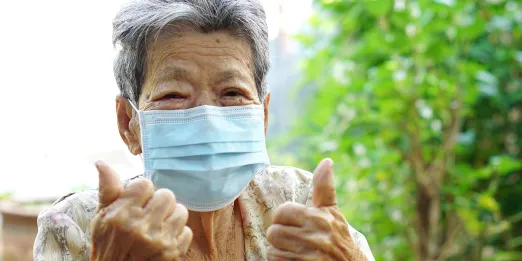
(313, 233)
(136, 222)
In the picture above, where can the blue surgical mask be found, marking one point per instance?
(206, 155)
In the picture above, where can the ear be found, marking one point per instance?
(265, 104)
(128, 125)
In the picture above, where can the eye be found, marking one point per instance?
(172, 96)
(233, 93)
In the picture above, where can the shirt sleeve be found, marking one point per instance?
(63, 230)
(362, 243)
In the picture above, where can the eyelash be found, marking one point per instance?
(236, 92)
(173, 96)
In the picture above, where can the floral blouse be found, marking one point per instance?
(63, 229)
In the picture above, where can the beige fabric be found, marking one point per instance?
(63, 229)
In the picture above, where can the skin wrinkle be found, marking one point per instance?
(231, 54)
(160, 61)
(321, 229)
(320, 232)
(206, 70)
(142, 22)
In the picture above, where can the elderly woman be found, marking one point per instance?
(194, 104)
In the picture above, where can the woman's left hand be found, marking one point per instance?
(313, 233)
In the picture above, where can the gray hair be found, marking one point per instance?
(140, 20)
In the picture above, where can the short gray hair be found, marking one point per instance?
(138, 21)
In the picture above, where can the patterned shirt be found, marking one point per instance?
(63, 229)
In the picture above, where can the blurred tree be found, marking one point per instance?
(419, 103)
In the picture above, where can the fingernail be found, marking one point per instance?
(99, 163)
(328, 162)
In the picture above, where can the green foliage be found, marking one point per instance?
(415, 92)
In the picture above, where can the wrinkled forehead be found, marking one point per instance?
(182, 52)
(179, 39)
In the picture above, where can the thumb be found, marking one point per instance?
(324, 187)
(110, 187)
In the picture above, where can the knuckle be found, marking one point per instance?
(121, 215)
(321, 220)
(123, 221)
(137, 232)
(165, 195)
(270, 233)
(163, 243)
(288, 205)
(187, 234)
(316, 240)
(141, 185)
(171, 254)
(116, 217)
(336, 213)
(313, 255)
(180, 212)
(284, 209)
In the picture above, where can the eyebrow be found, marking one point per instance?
(229, 75)
(179, 74)
(174, 74)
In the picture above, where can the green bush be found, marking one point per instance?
(419, 104)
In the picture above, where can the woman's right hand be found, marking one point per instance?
(137, 223)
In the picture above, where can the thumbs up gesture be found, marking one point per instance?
(313, 233)
(136, 222)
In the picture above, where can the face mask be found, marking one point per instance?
(206, 155)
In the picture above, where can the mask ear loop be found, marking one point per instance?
(134, 106)
(138, 112)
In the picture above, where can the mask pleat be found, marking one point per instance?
(208, 163)
(206, 149)
(210, 189)
(205, 155)
(204, 131)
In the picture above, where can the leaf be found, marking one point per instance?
(516, 242)
(487, 202)
(378, 7)
(508, 256)
(505, 165)
(446, 2)
(466, 138)
(471, 222)
(500, 227)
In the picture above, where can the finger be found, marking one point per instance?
(288, 238)
(110, 187)
(184, 240)
(177, 220)
(179, 247)
(160, 206)
(139, 191)
(290, 214)
(324, 187)
(275, 254)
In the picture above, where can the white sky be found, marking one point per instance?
(57, 93)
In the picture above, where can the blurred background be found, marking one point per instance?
(418, 102)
